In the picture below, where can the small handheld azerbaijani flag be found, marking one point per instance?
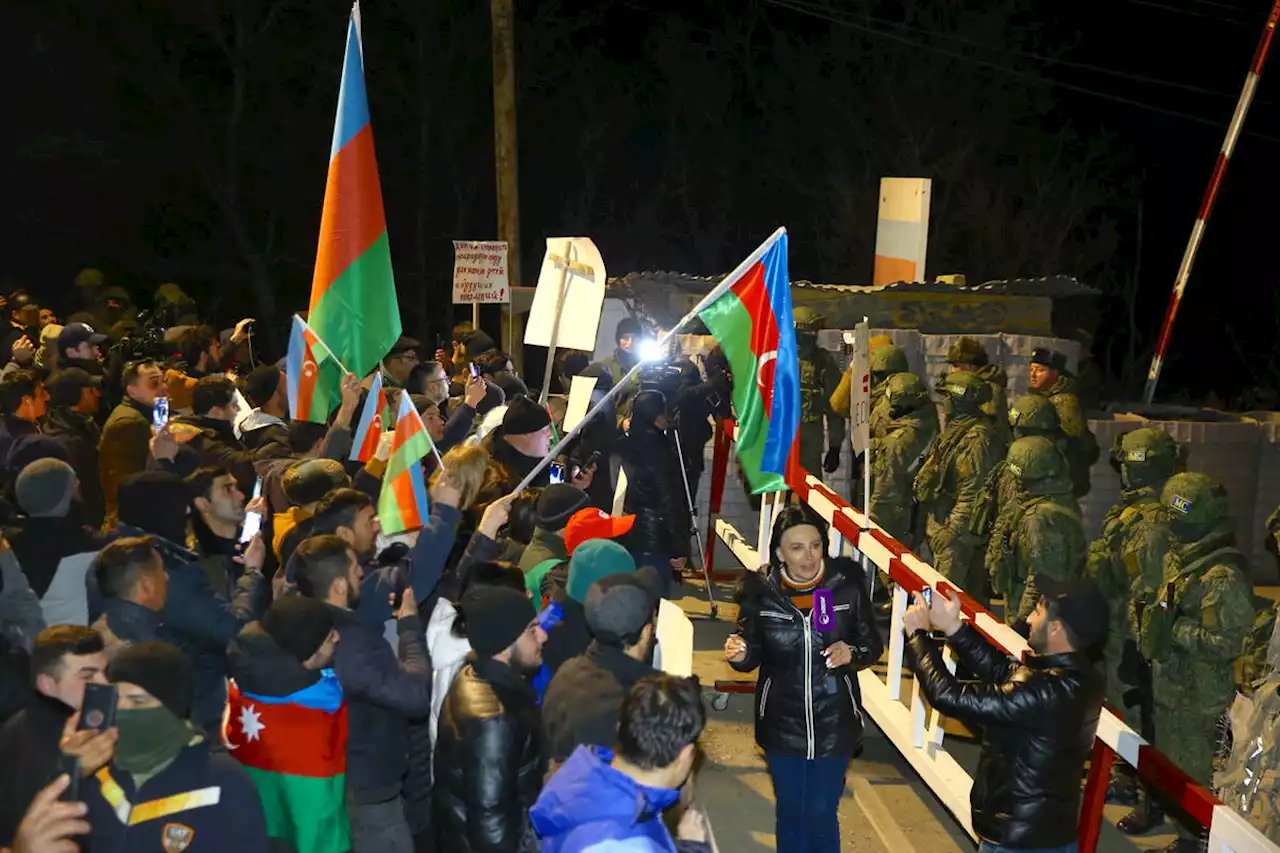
(751, 318)
(402, 505)
(365, 443)
(312, 375)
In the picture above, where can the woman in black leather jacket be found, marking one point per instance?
(805, 620)
(655, 489)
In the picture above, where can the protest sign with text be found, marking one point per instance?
(480, 272)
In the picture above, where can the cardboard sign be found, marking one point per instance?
(580, 388)
(860, 390)
(480, 272)
(674, 654)
(571, 288)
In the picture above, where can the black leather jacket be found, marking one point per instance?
(489, 760)
(655, 493)
(1038, 719)
(802, 708)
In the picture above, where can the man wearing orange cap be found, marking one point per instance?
(583, 525)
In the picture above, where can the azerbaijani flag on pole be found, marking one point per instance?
(353, 294)
(750, 316)
(294, 748)
(369, 431)
(402, 505)
(312, 375)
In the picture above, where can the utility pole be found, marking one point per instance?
(502, 13)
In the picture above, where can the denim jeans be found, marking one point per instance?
(379, 827)
(988, 847)
(807, 794)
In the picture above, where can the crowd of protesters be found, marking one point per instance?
(207, 642)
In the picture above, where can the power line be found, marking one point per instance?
(1048, 60)
(1192, 13)
(800, 9)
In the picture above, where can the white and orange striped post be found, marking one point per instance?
(1210, 196)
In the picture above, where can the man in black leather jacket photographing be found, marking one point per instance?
(1038, 717)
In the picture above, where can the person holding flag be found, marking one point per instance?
(286, 723)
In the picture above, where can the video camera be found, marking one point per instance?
(144, 341)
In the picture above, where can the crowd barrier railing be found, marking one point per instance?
(915, 730)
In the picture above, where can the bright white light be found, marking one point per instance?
(651, 351)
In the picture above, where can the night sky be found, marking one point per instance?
(166, 143)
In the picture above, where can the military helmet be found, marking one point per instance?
(964, 392)
(888, 358)
(1035, 458)
(905, 392)
(807, 319)
(966, 350)
(1198, 502)
(1032, 414)
(1147, 456)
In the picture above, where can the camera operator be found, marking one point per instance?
(655, 492)
(697, 401)
(1038, 716)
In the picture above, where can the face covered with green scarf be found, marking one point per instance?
(150, 735)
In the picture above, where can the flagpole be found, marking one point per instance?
(729, 281)
(868, 566)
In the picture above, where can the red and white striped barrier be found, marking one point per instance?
(918, 735)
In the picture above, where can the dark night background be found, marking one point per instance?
(188, 142)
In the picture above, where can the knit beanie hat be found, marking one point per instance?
(45, 488)
(524, 417)
(158, 668)
(627, 326)
(307, 482)
(557, 504)
(594, 560)
(157, 502)
(495, 618)
(299, 625)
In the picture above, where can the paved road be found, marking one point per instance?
(886, 808)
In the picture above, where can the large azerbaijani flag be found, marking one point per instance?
(750, 316)
(312, 376)
(402, 505)
(353, 294)
(294, 748)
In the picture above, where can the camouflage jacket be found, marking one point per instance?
(955, 469)
(1193, 631)
(895, 459)
(1127, 560)
(1254, 664)
(1082, 446)
(997, 408)
(1046, 539)
(819, 378)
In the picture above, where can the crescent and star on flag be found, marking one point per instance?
(251, 727)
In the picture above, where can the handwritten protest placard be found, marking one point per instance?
(480, 272)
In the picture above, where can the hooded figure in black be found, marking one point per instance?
(655, 489)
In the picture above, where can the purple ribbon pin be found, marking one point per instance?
(824, 614)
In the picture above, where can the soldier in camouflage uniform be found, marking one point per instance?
(1127, 563)
(951, 478)
(966, 355)
(819, 377)
(1192, 629)
(998, 504)
(897, 455)
(1045, 537)
(1049, 378)
(884, 361)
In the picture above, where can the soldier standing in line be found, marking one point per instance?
(1045, 537)
(1192, 629)
(819, 377)
(951, 478)
(966, 355)
(1127, 564)
(1049, 378)
(897, 455)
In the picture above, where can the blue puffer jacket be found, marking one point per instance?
(587, 805)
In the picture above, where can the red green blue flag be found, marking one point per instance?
(312, 375)
(750, 315)
(402, 505)
(372, 420)
(294, 748)
(353, 294)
